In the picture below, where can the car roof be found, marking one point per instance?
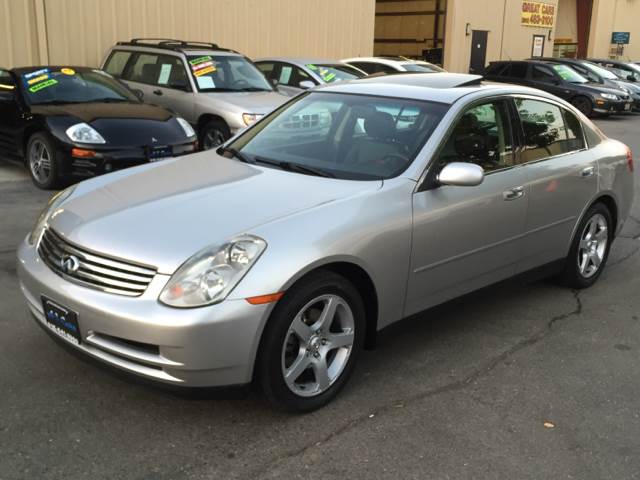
(302, 62)
(391, 61)
(436, 87)
(23, 70)
(186, 47)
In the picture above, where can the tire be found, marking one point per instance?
(283, 350)
(589, 249)
(583, 104)
(212, 134)
(42, 161)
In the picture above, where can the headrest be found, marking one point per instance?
(379, 125)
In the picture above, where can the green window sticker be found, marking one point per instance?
(40, 86)
(312, 66)
(199, 60)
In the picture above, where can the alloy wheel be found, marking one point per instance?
(40, 161)
(317, 346)
(212, 138)
(593, 246)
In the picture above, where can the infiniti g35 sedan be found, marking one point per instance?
(277, 257)
(78, 121)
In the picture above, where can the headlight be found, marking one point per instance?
(609, 96)
(83, 133)
(210, 275)
(249, 118)
(48, 213)
(186, 127)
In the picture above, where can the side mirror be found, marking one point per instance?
(306, 84)
(274, 82)
(461, 174)
(138, 93)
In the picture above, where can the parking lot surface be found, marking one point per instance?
(516, 381)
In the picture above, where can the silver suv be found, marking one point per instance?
(219, 91)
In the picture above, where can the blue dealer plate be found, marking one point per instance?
(61, 320)
(156, 153)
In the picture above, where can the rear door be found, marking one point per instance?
(164, 80)
(563, 175)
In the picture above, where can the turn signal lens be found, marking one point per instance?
(259, 300)
(82, 153)
(630, 159)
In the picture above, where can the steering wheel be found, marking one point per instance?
(394, 160)
(241, 82)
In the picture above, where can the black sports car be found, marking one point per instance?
(81, 121)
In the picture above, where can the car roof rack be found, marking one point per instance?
(172, 44)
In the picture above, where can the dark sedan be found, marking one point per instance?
(76, 121)
(561, 81)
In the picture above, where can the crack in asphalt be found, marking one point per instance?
(464, 382)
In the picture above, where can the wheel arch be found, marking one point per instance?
(206, 117)
(606, 198)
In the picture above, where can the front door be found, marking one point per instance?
(478, 52)
(467, 237)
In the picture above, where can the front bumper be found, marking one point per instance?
(107, 160)
(199, 347)
(612, 106)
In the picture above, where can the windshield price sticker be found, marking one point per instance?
(37, 76)
(39, 86)
(202, 65)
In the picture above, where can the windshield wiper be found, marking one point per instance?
(253, 89)
(235, 153)
(294, 167)
(107, 100)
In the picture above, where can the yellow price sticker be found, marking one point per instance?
(68, 71)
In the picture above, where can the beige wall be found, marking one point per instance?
(508, 39)
(566, 20)
(80, 31)
(614, 16)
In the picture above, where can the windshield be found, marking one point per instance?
(335, 72)
(227, 73)
(359, 137)
(422, 67)
(65, 85)
(568, 74)
(598, 70)
(625, 74)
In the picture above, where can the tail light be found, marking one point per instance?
(630, 159)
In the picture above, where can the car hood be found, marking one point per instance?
(161, 214)
(249, 102)
(594, 87)
(122, 125)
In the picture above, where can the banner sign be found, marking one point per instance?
(537, 14)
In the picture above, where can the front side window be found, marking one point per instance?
(6, 82)
(292, 76)
(568, 74)
(542, 74)
(159, 70)
(335, 73)
(117, 61)
(226, 73)
(482, 136)
(348, 136)
(545, 134)
(65, 85)
(421, 67)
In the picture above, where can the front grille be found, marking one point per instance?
(92, 269)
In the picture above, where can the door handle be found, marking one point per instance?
(513, 193)
(157, 92)
(587, 172)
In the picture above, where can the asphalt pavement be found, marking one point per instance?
(518, 381)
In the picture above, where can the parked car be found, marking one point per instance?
(217, 90)
(598, 74)
(280, 255)
(563, 82)
(294, 75)
(625, 70)
(385, 65)
(77, 121)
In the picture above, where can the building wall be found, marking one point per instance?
(507, 39)
(79, 32)
(566, 20)
(614, 16)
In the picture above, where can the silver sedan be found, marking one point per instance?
(279, 256)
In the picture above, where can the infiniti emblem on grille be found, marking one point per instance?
(69, 264)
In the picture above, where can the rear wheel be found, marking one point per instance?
(42, 162)
(584, 105)
(590, 248)
(311, 343)
(213, 133)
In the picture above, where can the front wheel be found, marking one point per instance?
(590, 248)
(311, 343)
(42, 162)
(584, 105)
(213, 134)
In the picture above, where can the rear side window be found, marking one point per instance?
(516, 70)
(371, 67)
(495, 69)
(116, 63)
(161, 70)
(545, 132)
